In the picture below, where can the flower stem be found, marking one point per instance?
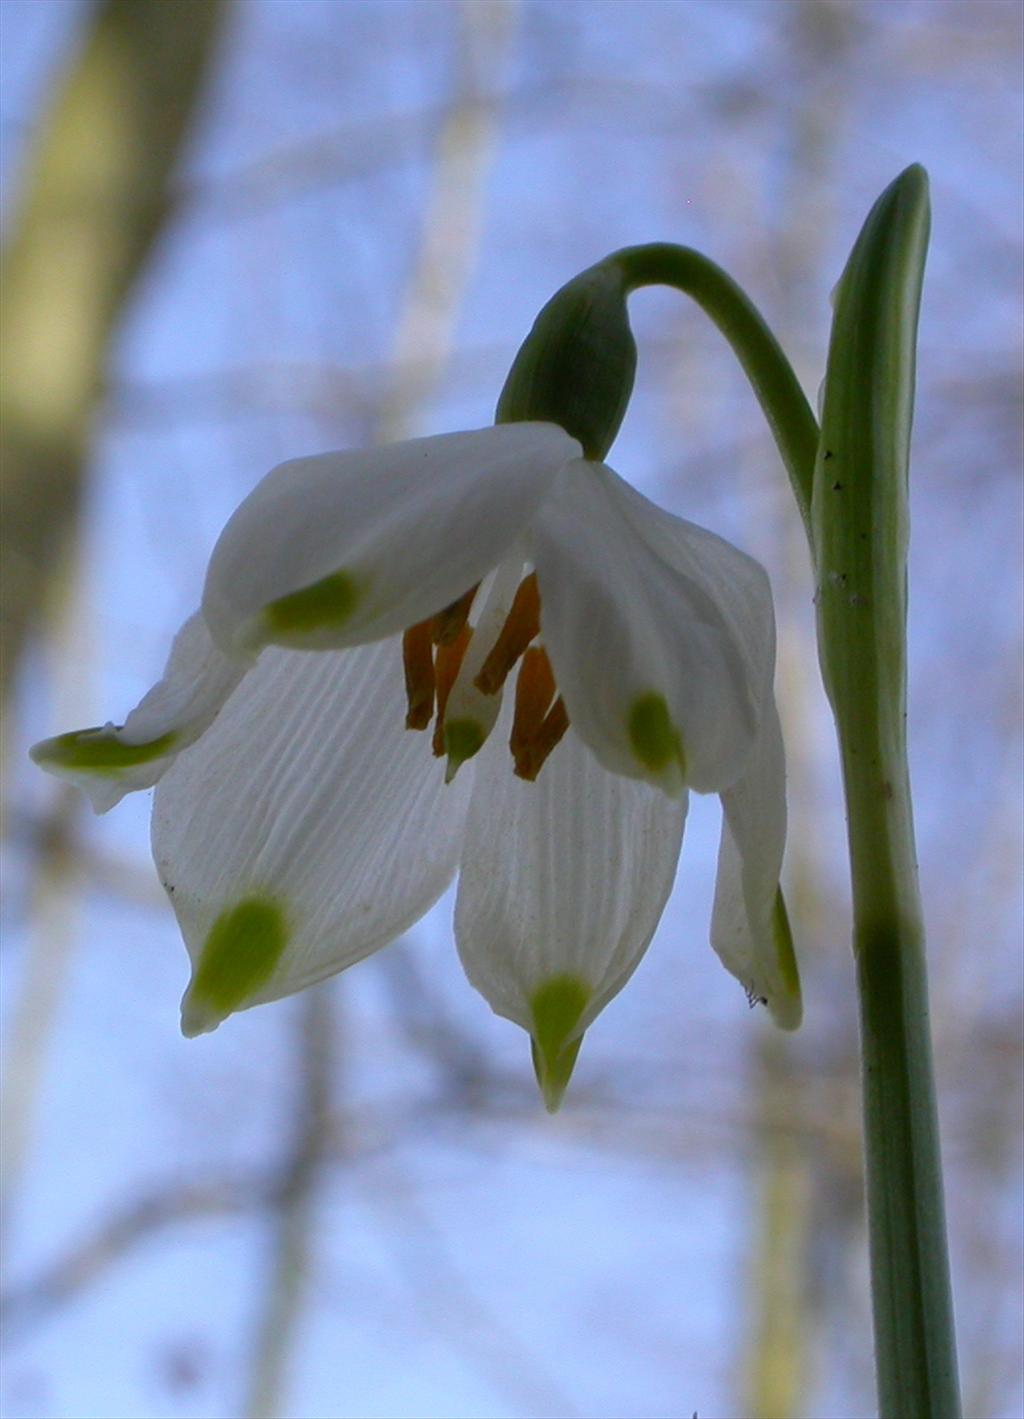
(850, 484)
(860, 534)
(777, 388)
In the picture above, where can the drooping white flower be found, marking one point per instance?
(306, 813)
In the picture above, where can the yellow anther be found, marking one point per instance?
(521, 625)
(446, 668)
(418, 663)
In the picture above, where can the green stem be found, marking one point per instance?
(860, 532)
(850, 484)
(777, 388)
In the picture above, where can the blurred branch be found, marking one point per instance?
(356, 150)
(94, 202)
(54, 879)
(428, 1026)
(441, 1293)
(450, 235)
(127, 1228)
(696, 1127)
(55, 872)
(778, 1345)
(124, 879)
(292, 1200)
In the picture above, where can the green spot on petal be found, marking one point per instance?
(325, 605)
(556, 1008)
(786, 1013)
(97, 751)
(654, 738)
(244, 945)
(462, 739)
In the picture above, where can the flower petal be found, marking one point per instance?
(470, 715)
(661, 635)
(346, 548)
(108, 762)
(749, 928)
(563, 883)
(305, 830)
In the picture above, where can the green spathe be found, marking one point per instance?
(324, 605)
(244, 945)
(654, 738)
(98, 751)
(556, 1008)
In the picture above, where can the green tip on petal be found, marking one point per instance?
(324, 606)
(556, 1008)
(244, 945)
(462, 739)
(97, 751)
(654, 738)
(787, 1010)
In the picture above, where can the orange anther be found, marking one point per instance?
(535, 689)
(521, 625)
(418, 663)
(530, 759)
(446, 667)
(448, 623)
(536, 729)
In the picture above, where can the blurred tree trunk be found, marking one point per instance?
(95, 196)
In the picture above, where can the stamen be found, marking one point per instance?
(446, 668)
(530, 761)
(521, 625)
(536, 729)
(448, 623)
(535, 689)
(418, 663)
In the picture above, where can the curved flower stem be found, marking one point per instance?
(860, 525)
(777, 388)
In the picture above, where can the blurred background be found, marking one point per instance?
(239, 234)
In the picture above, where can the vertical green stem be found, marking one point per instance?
(860, 530)
(851, 487)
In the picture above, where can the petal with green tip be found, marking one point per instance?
(749, 926)
(565, 878)
(97, 751)
(653, 736)
(238, 957)
(346, 548)
(110, 761)
(661, 635)
(309, 792)
(323, 607)
(557, 1007)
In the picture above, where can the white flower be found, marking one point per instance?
(298, 823)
